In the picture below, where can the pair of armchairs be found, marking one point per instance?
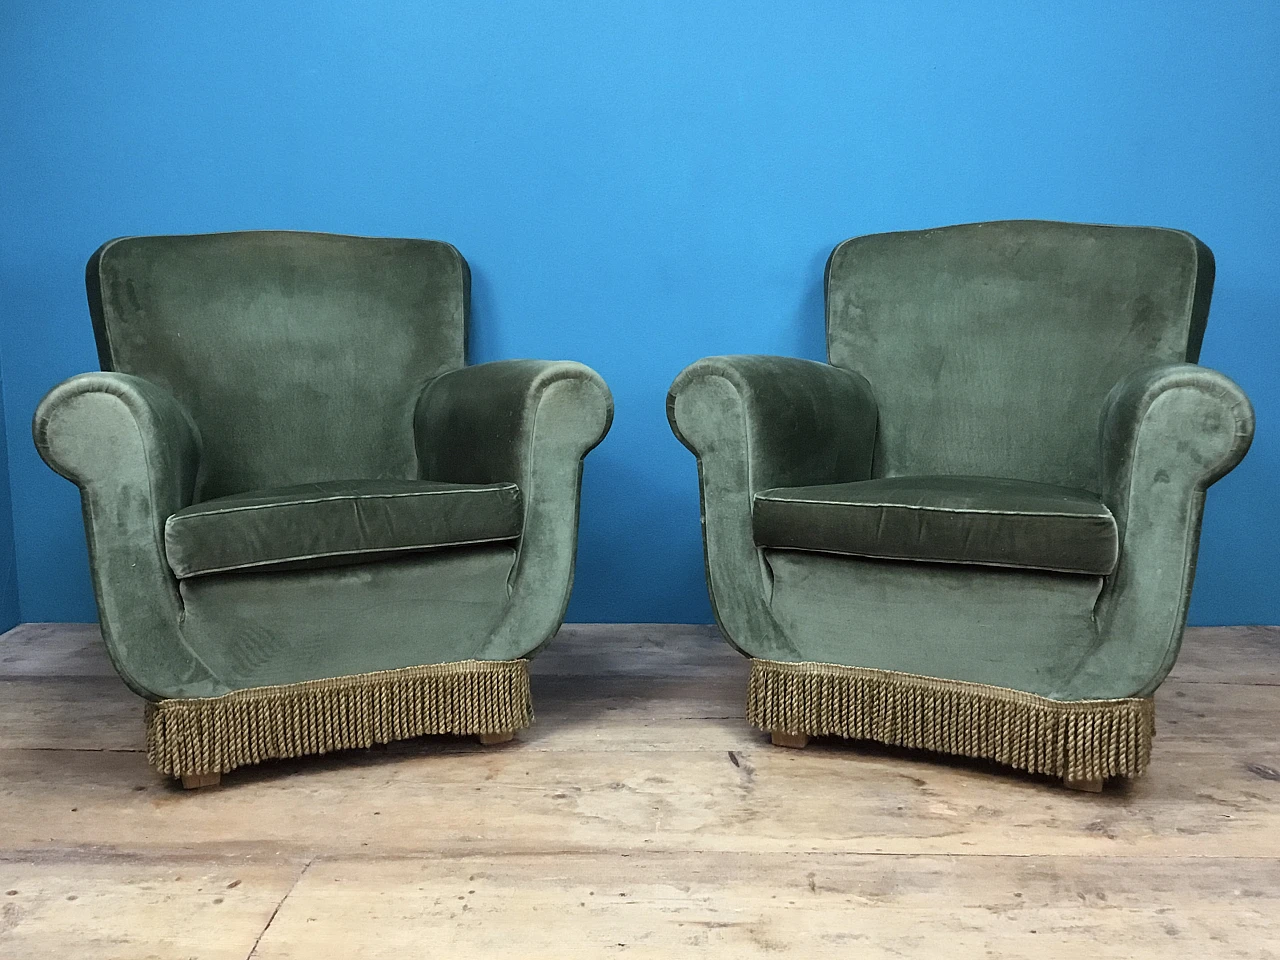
(312, 526)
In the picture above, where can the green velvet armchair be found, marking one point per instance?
(974, 529)
(311, 525)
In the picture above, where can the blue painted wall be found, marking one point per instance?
(636, 185)
(9, 607)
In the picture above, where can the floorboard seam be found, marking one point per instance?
(51, 858)
(253, 952)
(81, 749)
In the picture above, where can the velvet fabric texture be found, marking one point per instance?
(997, 478)
(978, 520)
(289, 473)
(326, 524)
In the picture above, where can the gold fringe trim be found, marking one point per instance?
(217, 734)
(1075, 740)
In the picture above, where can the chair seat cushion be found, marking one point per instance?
(978, 520)
(329, 524)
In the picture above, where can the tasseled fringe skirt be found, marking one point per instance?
(218, 734)
(1075, 740)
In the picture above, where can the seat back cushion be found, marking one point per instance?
(974, 520)
(991, 346)
(327, 524)
(300, 356)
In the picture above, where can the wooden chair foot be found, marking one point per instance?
(1085, 785)
(797, 741)
(502, 736)
(194, 781)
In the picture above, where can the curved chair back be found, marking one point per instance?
(300, 356)
(992, 346)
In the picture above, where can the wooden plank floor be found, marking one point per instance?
(640, 817)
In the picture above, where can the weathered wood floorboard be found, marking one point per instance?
(641, 817)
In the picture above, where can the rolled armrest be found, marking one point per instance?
(791, 422)
(135, 454)
(1178, 424)
(476, 424)
(1167, 433)
(531, 422)
(756, 422)
(108, 428)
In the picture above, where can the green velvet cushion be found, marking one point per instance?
(976, 520)
(323, 524)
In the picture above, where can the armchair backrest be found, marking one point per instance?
(991, 347)
(299, 356)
